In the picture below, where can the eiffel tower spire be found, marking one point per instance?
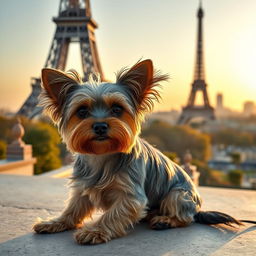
(73, 24)
(199, 69)
(191, 111)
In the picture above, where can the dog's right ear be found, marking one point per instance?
(55, 80)
(56, 85)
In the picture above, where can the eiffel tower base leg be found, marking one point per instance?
(189, 113)
(74, 24)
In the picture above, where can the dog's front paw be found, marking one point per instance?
(92, 235)
(50, 226)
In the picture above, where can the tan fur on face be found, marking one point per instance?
(130, 121)
(78, 101)
(79, 135)
(117, 98)
(128, 116)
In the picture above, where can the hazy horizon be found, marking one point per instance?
(164, 31)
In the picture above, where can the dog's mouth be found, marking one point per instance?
(101, 138)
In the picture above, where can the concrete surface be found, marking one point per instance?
(23, 199)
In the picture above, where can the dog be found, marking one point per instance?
(115, 170)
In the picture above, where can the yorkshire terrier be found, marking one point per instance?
(115, 170)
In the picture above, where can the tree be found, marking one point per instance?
(43, 137)
(6, 125)
(172, 156)
(235, 177)
(178, 139)
(2, 149)
(45, 140)
(233, 137)
(236, 158)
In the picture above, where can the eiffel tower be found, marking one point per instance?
(74, 24)
(191, 110)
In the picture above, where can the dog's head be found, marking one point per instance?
(100, 118)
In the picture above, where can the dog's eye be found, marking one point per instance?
(82, 112)
(116, 110)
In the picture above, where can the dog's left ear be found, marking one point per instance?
(142, 82)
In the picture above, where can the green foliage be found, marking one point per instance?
(218, 178)
(172, 156)
(6, 125)
(178, 139)
(2, 149)
(43, 137)
(236, 157)
(209, 177)
(234, 137)
(235, 177)
(205, 172)
(45, 140)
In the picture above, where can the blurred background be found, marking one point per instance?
(207, 47)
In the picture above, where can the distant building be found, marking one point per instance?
(170, 117)
(249, 108)
(219, 101)
(222, 160)
(223, 112)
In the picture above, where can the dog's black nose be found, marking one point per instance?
(100, 128)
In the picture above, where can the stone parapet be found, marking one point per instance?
(19, 152)
(19, 159)
(18, 167)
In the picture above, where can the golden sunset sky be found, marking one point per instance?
(163, 30)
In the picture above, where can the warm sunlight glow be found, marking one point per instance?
(170, 41)
(74, 58)
(244, 59)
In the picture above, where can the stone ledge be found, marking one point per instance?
(17, 167)
(26, 198)
(62, 172)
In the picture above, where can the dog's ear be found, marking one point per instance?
(54, 81)
(56, 85)
(143, 73)
(141, 81)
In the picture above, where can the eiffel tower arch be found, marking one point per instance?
(73, 24)
(191, 110)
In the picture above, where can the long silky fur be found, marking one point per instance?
(215, 217)
(127, 185)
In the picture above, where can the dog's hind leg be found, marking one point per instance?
(176, 210)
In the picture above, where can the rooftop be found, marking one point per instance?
(24, 198)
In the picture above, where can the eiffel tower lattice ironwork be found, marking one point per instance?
(191, 110)
(74, 24)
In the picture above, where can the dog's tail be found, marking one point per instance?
(213, 218)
